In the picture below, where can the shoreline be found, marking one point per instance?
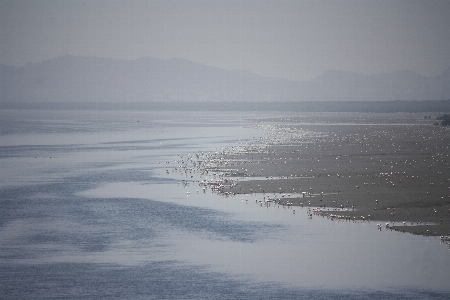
(386, 168)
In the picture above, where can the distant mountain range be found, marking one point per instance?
(92, 79)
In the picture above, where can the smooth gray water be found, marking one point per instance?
(91, 208)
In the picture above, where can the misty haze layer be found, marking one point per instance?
(83, 79)
(296, 40)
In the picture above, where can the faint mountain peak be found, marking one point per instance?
(72, 78)
(337, 75)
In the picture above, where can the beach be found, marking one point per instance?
(128, 204)
(393, 169)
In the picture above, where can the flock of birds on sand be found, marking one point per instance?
(216, 166)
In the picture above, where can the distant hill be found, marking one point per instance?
(93, 79)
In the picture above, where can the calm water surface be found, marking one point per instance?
(90, 208)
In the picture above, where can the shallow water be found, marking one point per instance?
(91, 208)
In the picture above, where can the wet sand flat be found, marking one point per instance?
(393, 168)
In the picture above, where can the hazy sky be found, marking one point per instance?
(297, 40)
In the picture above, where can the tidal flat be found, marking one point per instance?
(392, 168)
(169, 205)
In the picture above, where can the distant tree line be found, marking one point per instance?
(445, 120)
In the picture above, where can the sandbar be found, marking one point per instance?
(392, 168)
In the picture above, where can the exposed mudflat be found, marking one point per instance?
(393, 168)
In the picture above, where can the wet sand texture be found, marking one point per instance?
(386, 171)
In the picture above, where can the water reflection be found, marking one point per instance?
(273, 244)
(94, 212)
